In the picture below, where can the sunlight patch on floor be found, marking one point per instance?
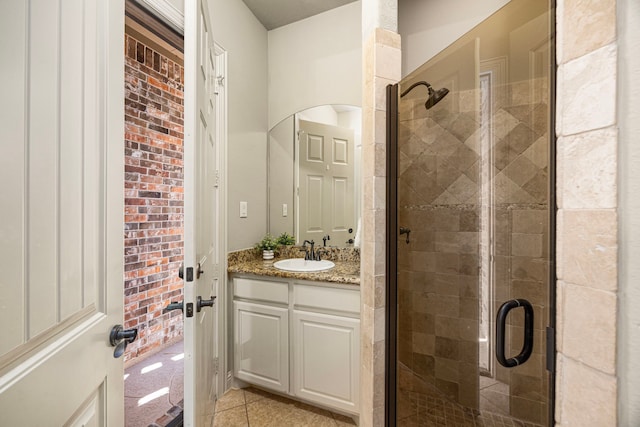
(178, 357)
(151, 367)
(151, 396)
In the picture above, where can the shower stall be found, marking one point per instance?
(471, 228)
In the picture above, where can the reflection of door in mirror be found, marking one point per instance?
(325, 182)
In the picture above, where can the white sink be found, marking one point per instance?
(300, 265)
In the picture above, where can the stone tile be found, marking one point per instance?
(387, 38)
(538, 152)
(589, 326)
(521, 170)
(446, 348)
(528, 410)
(589, 248)
(530, 221)
(589, 166)
(343, 420)
(587, 25)
(387, 61)
(268, 412)
(232, 398)
(587, 397)
(528, 245)
(380, 87)
(588, 99)
(235, 417)
(538, 187)
(251, 394)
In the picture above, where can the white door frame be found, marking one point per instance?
(222, 339)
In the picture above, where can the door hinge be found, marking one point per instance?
(551, 349)
(216, 364)
(217, 180)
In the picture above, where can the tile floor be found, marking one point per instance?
(153, 388)
(154, 392)
(421, 405)
(257, 408)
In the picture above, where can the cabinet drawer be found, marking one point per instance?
(263, 290)
(333, 299)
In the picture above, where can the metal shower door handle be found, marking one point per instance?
(501, 320)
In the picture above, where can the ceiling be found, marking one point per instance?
(276, 13)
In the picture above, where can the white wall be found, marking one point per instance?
(428, 26)
(629, 108)
(316, 61)
(245, 40)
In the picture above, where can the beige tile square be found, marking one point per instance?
(387, 38)
(587, 396)
(590, 248)
(234, 417)
(587, 25)
(589, 91)
(231, 399)
(589, 163)
(589, 326)
(387, 62)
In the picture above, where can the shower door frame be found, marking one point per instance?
(391, 238)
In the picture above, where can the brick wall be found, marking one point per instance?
(153, 196)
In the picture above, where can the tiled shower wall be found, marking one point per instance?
(587, 238)
(442, 197)
(153, 195)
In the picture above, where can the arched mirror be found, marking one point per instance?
(314, 175)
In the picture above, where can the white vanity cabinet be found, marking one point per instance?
(307, 346)
(261, 333)
(326, 346)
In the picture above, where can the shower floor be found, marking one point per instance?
(419, 404)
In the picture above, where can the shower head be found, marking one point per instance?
(435, 96)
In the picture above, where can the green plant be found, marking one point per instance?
(268, 243)
(286, 239)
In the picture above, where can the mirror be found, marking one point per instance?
(314, 159)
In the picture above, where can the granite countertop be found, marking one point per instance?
(346, 271)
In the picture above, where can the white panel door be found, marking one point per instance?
(261, 345)
(326, 357)
(326, 183)
(201, 206)
(61, 212)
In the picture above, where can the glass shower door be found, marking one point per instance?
(474, 214)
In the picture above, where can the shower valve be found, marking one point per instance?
(407, 231)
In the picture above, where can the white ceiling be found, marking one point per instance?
(276, 13)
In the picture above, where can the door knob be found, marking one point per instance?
(120, 337)
(204, 303)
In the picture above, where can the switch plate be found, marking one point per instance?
(285, 209)
(243, 209)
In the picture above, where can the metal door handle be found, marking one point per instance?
(120, 337)
(173, 306)
(199, 271)
(204, 303)
(527, 346)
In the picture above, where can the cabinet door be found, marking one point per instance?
(261, 345)
(326, 352)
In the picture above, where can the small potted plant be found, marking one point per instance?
(286, 239)
(267, 246)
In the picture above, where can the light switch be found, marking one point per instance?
(285, 209)
(243, 209)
